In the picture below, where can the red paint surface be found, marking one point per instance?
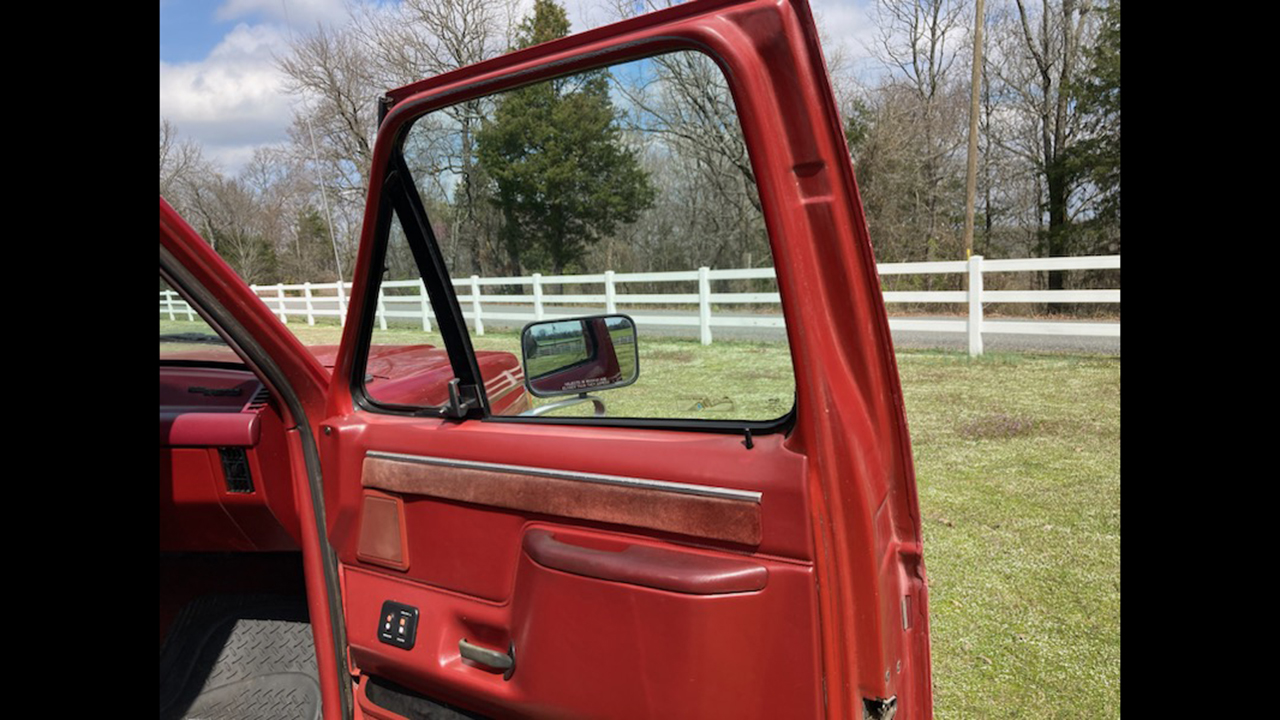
(183, 388)
(191, 514)
(208, 429)
(859, 517)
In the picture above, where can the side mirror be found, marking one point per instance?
(574, 357)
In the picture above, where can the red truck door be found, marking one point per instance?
(515, 566)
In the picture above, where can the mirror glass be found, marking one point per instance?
(580, 355)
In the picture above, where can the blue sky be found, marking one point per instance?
(189, 29)
(219, 84)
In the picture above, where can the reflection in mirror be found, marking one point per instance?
(570, 357)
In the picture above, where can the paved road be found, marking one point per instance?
(993, 340)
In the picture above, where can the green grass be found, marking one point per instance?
(1018, 468)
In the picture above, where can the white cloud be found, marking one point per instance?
(848, 31)
(298, 13)
(233, 100)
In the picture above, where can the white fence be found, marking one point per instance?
(407, 299)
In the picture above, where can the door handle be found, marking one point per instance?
(490, 658)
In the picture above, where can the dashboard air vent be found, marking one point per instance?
(235, 468)
(259, 400)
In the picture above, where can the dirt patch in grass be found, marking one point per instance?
(668, 354)
(998, 426)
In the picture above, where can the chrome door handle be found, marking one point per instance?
(490, 658)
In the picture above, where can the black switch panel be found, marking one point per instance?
(398, 624)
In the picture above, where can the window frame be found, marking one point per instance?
(399, 196)
(397, 202)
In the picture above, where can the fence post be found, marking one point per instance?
(704, 304)
(423, 307)
(537, 296)
(342, 305)
(311, 310)
(475, 304)
(168, 299)
(191, 313)
(284, 315)
(975, 305)
(382, 310)
(610, 293)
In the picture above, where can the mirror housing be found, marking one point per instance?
(579, 355)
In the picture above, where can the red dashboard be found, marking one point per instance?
(224, 473)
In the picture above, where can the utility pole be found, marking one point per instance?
(971, 179)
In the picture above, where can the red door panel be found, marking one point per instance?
(472, 534)
(585, 647)
(710, 460)
(705, 622)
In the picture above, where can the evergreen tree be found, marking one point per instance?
(564, 179)
(310, 256)
(1097, 159)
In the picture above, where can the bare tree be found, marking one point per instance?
(226, 213)
(289, 215)
(333, 77)
(921, 108)
(423, 38)
(682, 113)
(1042, 49)
(919, 39)
(182, 164)
(334, 126)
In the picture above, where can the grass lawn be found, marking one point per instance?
(1018, 467)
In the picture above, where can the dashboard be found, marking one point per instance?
(225, 478)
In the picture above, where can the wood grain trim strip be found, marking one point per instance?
(708, 490)
(714, 518)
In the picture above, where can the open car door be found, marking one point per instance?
(638, 567)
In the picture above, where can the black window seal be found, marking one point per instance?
(782, 425)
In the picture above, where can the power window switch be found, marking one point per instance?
(398, 625)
